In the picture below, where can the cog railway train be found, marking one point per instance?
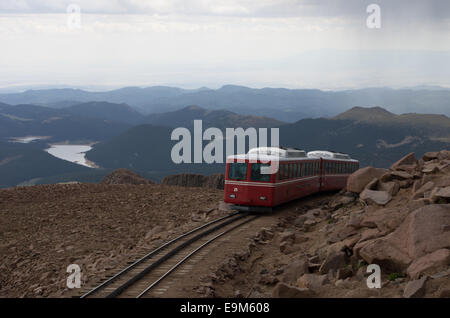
(266, 177)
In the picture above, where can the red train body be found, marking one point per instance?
(267, 177)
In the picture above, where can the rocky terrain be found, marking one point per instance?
(124, 176)
(100, 227)
(397, 218)
(320, 246)
(215, 181)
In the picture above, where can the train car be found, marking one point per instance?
(266, 177)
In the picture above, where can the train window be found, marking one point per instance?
(255, 173)
(284, 172)
(237, 171)
(308, 165)
(291, 171)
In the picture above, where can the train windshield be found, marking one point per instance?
(259, 172)
(237, 171)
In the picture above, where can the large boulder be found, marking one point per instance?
(358, 180)
(422, 232)
(444, 154)
(430, 263)
(430, 156)
(409, 159)
(377, 197)
(386, 219)
(440, 195)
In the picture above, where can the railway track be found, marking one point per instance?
(142, 276)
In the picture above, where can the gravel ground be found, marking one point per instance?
(100, 227)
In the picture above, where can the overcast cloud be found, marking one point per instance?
(292, 43)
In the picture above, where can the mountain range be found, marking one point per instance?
(129, 139)
(288, 105)
(372, 135)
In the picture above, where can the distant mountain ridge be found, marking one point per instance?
(282, 104)
(374, 136)
(431, 125)
(210, 118)
(362, 133)
(74, 123)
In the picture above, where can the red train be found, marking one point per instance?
(269, 176)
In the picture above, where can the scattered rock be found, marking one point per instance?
(441, 195)
(419, 234)
(444, 293)
(370, 234)
(124, 176)
(283, 290)
(415, 288)
(287, 248)
(294, 270)
(312, 281)
(421, 191)
(377, 197)
(430, 156)
(430, 263)
(287, 236)
(344, 273)
(333, 261)
(409, 159)
(390, 187)
(360, 178)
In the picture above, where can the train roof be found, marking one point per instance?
(325, 154)
(287, 154)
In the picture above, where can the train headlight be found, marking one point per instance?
(262, 198)
(233, 196)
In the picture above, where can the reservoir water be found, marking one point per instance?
(72, 153)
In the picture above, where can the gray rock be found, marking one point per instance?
(282, 290)
(377, 197)
(415, 288)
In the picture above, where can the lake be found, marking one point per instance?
(72, 153)
(27, 139)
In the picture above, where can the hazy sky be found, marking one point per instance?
(192, 43)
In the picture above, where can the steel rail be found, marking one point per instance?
(152, 253)
(191, 254)
(169, 254)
